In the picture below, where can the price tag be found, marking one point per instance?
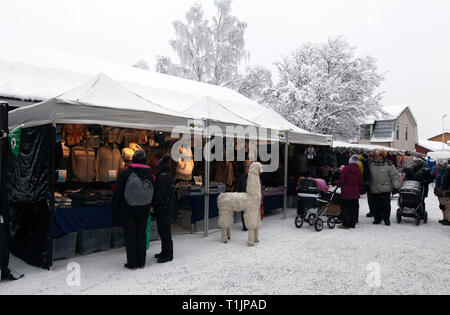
(62, 176)
(112, 176)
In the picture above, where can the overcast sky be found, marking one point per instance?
(411, 39)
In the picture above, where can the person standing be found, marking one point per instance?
(241, 186)
(445, 199)
(165, 208)
(352, 184)
(384, 179)
(442, 193)
(132, 200)
(420, 173)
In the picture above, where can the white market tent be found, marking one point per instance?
(439, 155)
(39, 74)
(103, 101)
(364, 147)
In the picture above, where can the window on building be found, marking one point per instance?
(406, 132)
(398, 131)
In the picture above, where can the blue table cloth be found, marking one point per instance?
(71, 220)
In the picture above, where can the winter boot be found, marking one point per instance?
(163, 260)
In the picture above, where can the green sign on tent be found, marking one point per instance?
(14, 141)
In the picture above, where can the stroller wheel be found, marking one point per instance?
(318, 225)
(331, 222)
(399, 216)
(298, 222)
(425, 217)
(311, 219)
(418, 220)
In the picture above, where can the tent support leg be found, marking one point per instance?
(286, 162)
(206, 181)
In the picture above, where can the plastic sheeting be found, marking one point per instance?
(29, 188)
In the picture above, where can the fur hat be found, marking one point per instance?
(164, 163)
(354, 159)
(127, 154)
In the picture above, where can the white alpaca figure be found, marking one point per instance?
(249, 202)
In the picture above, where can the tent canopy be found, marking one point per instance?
(37, 73)
(365, 147)
(101, 100)
(209, 108)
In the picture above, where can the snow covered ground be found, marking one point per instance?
(412, 260)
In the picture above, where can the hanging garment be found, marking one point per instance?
(224, 173)
(185, 165)
(74, 134)
(108, 159)
(142, 137)
(83, 164)
(310, 153)
(111, 134)
(128, 136)
(65, 160)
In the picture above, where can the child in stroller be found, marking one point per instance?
(316, 202)
(411, 202)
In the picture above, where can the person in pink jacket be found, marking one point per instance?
(352, 184)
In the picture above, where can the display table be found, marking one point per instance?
(192, 197)
(71, 220)
(273, 198)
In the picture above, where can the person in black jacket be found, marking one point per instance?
(165, 208)
(134, 218)
(241, 186)
(420, 173)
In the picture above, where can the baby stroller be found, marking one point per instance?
(410, 202)
(315, 204)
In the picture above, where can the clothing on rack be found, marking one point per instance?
(73, 134)
(108, 159)
(225, 173)
(111, 134)
(185, 165)
(128, 136)
(83, 164)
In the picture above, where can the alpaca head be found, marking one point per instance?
(256, 169)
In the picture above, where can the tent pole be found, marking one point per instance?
(286, 162)
(206, 180)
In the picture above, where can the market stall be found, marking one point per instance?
(72, 149)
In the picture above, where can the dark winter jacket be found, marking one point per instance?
(446, 184)
(351, 182)
(241, 183)
(120, 205)
(422, 175)
(165, 200)
(384, 177)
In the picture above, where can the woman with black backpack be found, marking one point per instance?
(165, 206)
(132, 200)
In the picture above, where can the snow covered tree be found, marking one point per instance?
(256, 84)
(325, 88)
(209, 50)
(141, 64)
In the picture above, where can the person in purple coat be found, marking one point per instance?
(352, 184)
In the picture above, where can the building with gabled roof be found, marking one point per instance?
(397, 128)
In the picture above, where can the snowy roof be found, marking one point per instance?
(100, 100)
(365, 147)
(393, 112)
(40, 73)
(383, 131)
(433, 145)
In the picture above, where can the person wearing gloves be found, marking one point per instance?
(165, 208)
(384, 179)
(132, 200)
(352, 184)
